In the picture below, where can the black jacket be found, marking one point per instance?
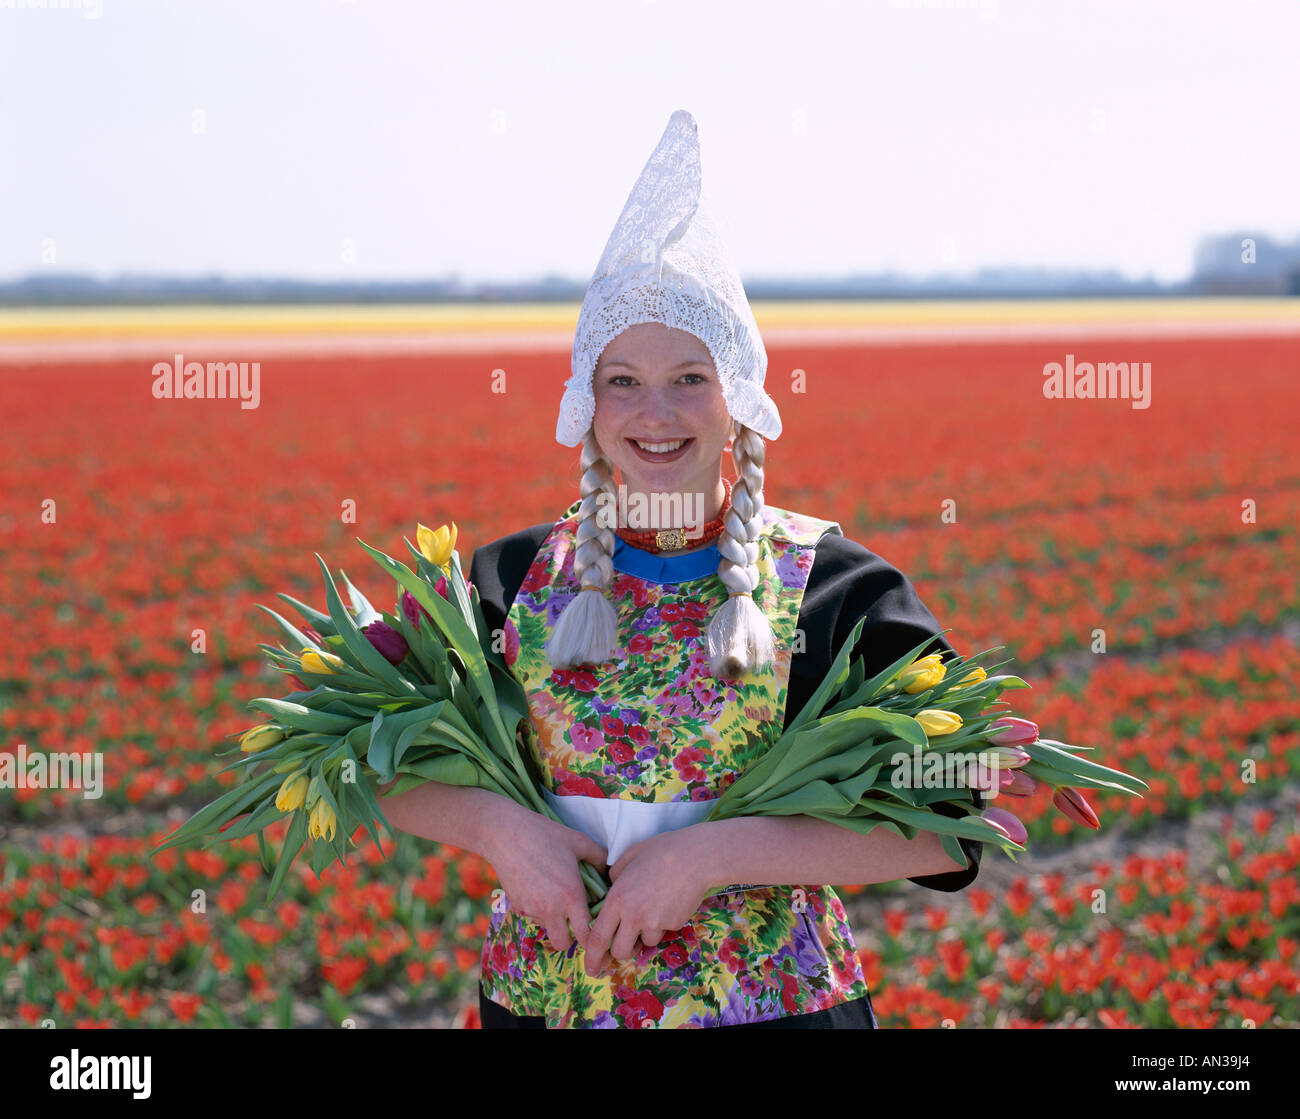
(846, 582)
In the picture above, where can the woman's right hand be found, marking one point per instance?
(536, 860)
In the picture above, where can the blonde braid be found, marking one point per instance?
(740, 635)
(586, 630)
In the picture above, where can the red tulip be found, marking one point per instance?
(316, 637)
(1072, 803)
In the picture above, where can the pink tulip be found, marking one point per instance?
(316, 637)
(1008, 824)
(512, 644)
(1010, 731)
(1010, 757)
(984, 777)
(1073, 804)
(1021, 785)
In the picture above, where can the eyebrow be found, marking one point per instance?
(629, 365)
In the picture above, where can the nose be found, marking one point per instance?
(657, 408)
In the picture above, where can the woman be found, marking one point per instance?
(659, 664)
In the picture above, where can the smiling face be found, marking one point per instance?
(660, 417)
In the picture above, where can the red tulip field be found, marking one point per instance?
(1138, 563)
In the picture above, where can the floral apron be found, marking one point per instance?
(652, 726)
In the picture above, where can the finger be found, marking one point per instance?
(557, 933)
(624, 946)
(590, 851)
(598, 939)
(580, 922)
(651, 937)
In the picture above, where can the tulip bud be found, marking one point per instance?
(511, 651)
(989, 777)
(321, 820)
(1022, 785)
(1010, 731)
(259, 738)
(922, 674)
(413, 609)
(1007, 823)
(436, 545)
(1008, 757)
(936, 722)
(292, 793)
(322, 663)
(390, 643)
(1072, 803)
(441, 586)
(310, 631)
(974, 677)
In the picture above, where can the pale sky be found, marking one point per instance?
(364, 139)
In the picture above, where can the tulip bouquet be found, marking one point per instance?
(421, 694)
(910, 749)
(424, 694)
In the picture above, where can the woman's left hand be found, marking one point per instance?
(658, 885)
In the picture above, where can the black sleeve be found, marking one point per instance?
(848, 582)
(498, 570)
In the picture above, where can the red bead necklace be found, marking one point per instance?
(675, 539)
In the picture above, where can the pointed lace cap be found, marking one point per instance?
(665, 262)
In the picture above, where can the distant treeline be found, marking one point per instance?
(1234, 264)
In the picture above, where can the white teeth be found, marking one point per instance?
(660, 448)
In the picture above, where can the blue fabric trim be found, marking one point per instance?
(665, 569)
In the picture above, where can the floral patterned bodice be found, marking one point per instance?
(654, 725)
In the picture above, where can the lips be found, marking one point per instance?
(660, 456)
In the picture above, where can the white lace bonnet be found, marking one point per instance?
(665, 262)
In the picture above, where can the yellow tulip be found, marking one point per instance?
(324, 663)
(292, 793)
(977, 674)
(437, 544)
(322, 819)
(259, 738)
(922, 674)
(937, 723)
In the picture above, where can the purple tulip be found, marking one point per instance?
(413, 609)
(390, 643)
